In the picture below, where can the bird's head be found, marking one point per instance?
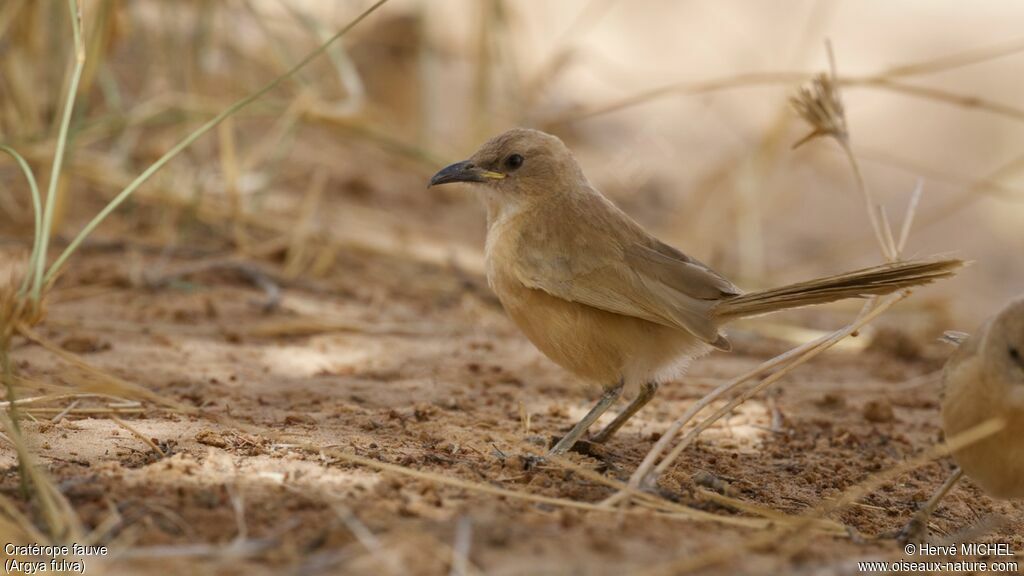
(1003, 348)
(520, 163)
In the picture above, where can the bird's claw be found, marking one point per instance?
(916, 531)
(532, 462)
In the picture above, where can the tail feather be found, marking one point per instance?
(874, 281)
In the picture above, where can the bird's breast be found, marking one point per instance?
(595, 344)
(996, 463)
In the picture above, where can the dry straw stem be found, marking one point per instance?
(191, 138)
(460, 549)
(869, 313)
(232, 174)
(973, 191)
(821, 105)
(647, 473)
(356, 236)
(795, 538)
(62, 524)
(348, 74)
(689, 513)
(789, 78)
(440, 549)
(145, 439)
(974, 187)
(883, 80)
(654, 502)
(368, 539)
(27, 406)
(7, 13)
(103, 382)
(755, 166)
(555, 61)
(297, 256)
(663, 508)
(957, 60)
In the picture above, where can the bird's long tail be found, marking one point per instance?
(872, 281)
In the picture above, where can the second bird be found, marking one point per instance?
(603, 298)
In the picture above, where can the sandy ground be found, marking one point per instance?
(416, 365)
(396, 353)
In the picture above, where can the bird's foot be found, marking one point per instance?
(584, 447)
(915, 532)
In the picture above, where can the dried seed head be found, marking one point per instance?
(820, 105)
(10, 309)
(15, 308)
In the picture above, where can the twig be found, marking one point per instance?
(870, 313)
(60, 415)
(152, 445)
(915, 198)
(958, 60)
(58, 264)
(689, 514)
(299, 240)
(821, 106)
(252, 272)
(654, 502)
(644, 478)
(368, 539)
(238, 506)
(55, 397)
(783, 78)
(120, 384)
(460, 549)
(77, 411)
(791, 535)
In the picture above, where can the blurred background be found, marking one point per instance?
(387, 343)
(678, 110)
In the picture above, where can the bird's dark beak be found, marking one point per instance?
(464, 171)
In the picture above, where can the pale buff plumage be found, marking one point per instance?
(603, 298)
(985, 380)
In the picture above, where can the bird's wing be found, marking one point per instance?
(678, 271)
(661, 286)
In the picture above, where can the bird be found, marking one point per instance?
(982, 381)
(603, 298)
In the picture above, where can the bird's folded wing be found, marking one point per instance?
(678, 271)
(637, 281)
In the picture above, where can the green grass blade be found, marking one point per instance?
(163, 160)
(37, 208)
(39, 262)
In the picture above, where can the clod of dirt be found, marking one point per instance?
(84, 344)
(879, 411)
(588, 448)
(832, 401)
(711, 482)
(897, 344)
(298, 418)
(211, 438)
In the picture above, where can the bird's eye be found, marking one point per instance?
(1016, 356)
(514, 161)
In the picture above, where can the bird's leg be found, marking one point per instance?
(607, 399)
(647, 391)
(916, 530)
